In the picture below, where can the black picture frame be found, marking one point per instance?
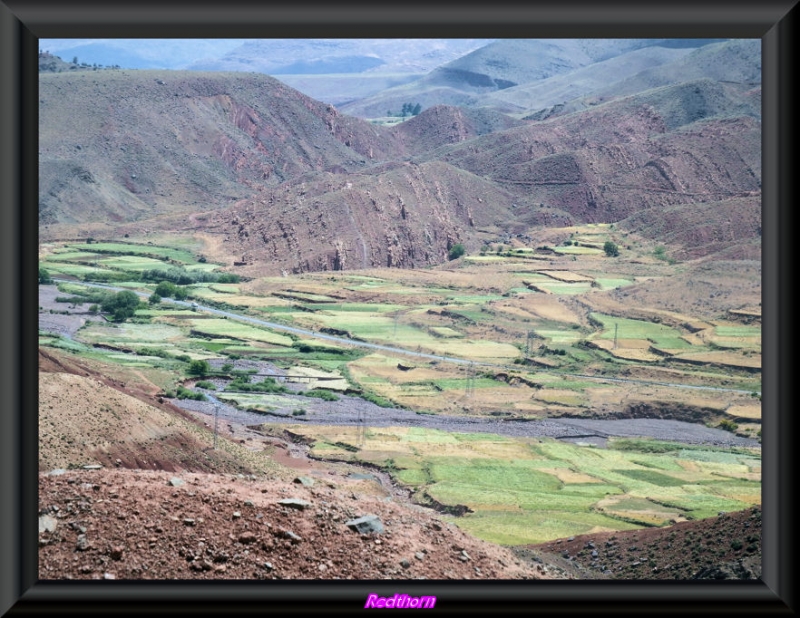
(23, 22)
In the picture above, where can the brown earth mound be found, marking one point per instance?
(723, 547)
(133, 524)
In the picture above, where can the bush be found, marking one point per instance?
(611, 249)
(267, 385)
(185, 393)
(199, 368)
(44, 277)
(121, 305)
(728, 425)
(299, 412)
(154, 299)
(321, 394)
(166, 289)
(456, 251)
(206, 385)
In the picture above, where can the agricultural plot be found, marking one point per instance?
(612, 283)
(530, 491)
(380, 328)
(232, 329)
(625, 328)
(76, 270)
(578, 250)
(179, 255)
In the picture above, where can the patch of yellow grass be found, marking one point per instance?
(566, 276)
(565, 475)
(747, 411)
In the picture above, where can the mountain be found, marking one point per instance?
(500, 65)
(127, 145)
(294, 183)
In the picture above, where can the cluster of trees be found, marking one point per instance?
(121, 305)
(181, 276)
(409, 109)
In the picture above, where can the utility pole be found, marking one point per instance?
(216, 424)
(616, 329)
(470, 389)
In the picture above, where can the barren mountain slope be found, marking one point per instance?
(627, 156)
(125, 145)
(88, 417)
(399, 215)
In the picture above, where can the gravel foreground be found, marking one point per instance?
(135, 524)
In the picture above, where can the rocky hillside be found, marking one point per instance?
(127, 145)
(724, 547)
(295, 185)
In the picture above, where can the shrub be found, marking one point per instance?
(611, 249)
(206, 385)
(299, 412)
(121, 305)
(456, 251)
(185, 393)
(736, 545)
(154, 299)
(319, 393)
(728, 425)
(199, 368)
(44, 277)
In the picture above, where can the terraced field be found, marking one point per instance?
(529, 345)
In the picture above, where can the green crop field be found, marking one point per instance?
(530, 491)
(64, 256)
(232, 328)
(178, 255)
(76, 270)
(660, 335)
(132, 262)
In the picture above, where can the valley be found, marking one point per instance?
(502, 322)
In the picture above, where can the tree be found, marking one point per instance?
(417, 109)
(166, 289)
(611, 249)
(121, 305)
(199, 368)
(44, 277)
(456, 251)
(154, 299)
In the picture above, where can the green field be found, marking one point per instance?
(179, 255)
(219, 327)
(624, 328)
(559, 489)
